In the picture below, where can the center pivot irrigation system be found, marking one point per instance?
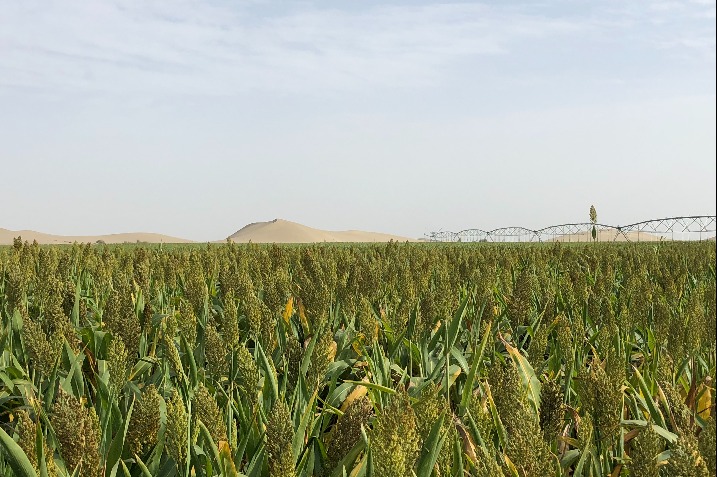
(694, 227)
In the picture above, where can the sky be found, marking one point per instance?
(195, 117)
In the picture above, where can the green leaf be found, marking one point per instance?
(374, 386)
(455, 327)
(348, 459)
(17, 459)
(168, 469)
(477, 358)
(73, 383)
(581, 463)
(299, 433)
(457, 459)
(40, 451)
(76, 305)
(204, 432)
(115, 452)
(667, 435)
(256, 464)
(663, 456)
(125, 470)
(308, 354)
(269, 373)
(142, 466)
(460, 359)
(431, 448)
(339, 394)
(369, 463)
(188, 352)
(651, 404)
(569, 458)
(500, 429)
(142, 366)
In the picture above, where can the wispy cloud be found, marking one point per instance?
(686, 29)
(213, 48)
(210, 48)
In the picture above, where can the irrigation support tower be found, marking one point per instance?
(693, 227)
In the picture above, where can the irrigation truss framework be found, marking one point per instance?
(695, 227)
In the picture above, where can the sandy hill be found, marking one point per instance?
(7, 236)
(284, 231)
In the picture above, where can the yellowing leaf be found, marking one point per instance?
(289, 309)
(357, 343)
(704, 402)
(511, 466)
(469, 447)
(357, 393)
(225, 454)
(454, 375)
(357, 470)
(302, 318)
(527, 374)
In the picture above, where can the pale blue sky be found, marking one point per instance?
(193, 118)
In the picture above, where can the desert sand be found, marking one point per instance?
(284, 231)
(275, 231)
(7, 236)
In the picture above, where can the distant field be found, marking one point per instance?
(336, 359)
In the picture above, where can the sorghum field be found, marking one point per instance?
(358, 360)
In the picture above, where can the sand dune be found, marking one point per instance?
(7, 236)
(284, 231)
(275, 231)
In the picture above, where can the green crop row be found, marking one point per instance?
(359, 360)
